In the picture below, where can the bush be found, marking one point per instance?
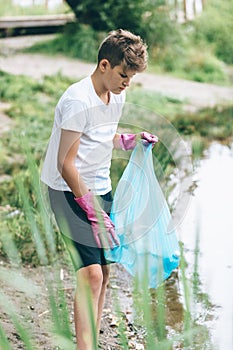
(204, 67)
(150, 19)
(158, 29)
(77, 41)
(109, 15)
(169, 58)
(211, 124)
(215, 26)
(81, 41)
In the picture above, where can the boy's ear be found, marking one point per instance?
(104, 64)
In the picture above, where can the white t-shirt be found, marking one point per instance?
(80, 109)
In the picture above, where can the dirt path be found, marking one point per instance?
(196, 94)
(33, 309)
(31, 305)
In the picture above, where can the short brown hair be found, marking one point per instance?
(122, 46)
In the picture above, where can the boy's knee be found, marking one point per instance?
(92, 276)
(106, 274)
(96, 277)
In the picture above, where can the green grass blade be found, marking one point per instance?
(27, 206)
(59, 308)
(91, 318)
(121, 329)
(24, 333)
(36, 187)
(9, 247)
(23, 330)
(4, 343)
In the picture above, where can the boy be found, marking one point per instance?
(76, 169)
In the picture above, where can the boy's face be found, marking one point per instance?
(117, 79)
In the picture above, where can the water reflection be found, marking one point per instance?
(211, 210)
(198, 334)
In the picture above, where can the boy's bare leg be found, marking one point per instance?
(106, 272)
(89, 292)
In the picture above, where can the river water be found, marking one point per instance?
(211, 209)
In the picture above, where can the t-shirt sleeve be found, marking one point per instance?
(74, 116)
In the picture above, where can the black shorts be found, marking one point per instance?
(76, 229)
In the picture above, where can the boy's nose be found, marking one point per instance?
(126, 82)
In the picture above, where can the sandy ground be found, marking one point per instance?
(28, 298)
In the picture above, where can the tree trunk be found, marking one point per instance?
(185, 9)
(176, 8)
(203, 2)
(194, 8)
(73, 5)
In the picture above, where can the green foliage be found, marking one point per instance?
(108, 15)
(204, 67)
(4, 340)
(20, 89)
(150, 18)
(81, 41)
(169, 58)
(156, 102)
(198, 146)
(215, 26)
(194, 63)
(32, 103)
(211, 124)
(159, 30)
(32, 107)
(77, 41)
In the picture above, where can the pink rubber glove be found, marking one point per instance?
(129, 141)
(149, 137)
(92, 209)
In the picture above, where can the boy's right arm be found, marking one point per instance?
(68, 149)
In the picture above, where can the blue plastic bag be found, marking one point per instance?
(149, 247)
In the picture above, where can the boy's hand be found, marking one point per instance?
(102, 226)
(129, 141)
(149, 137)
